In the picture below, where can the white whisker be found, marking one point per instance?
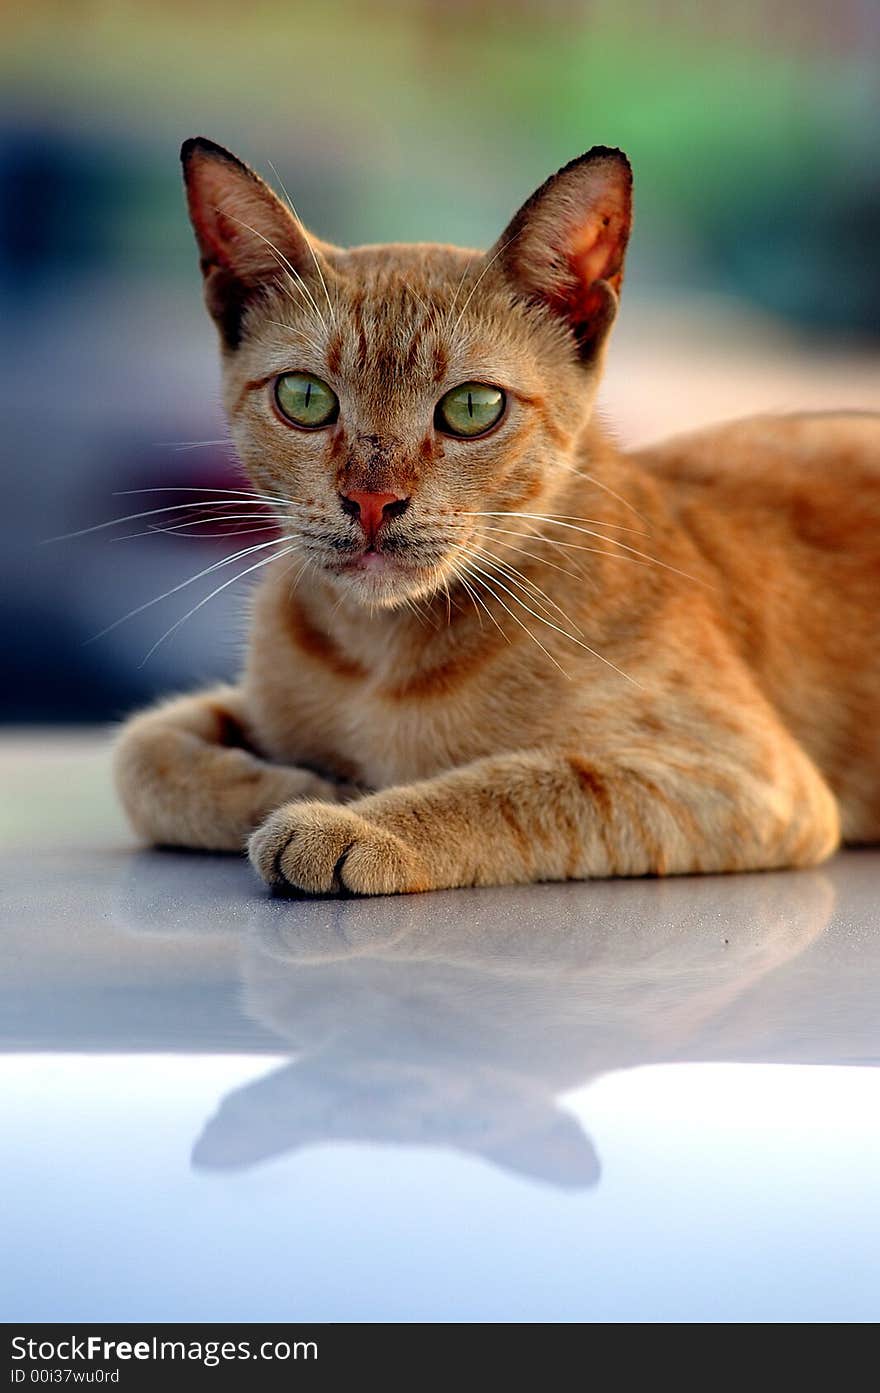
(565, 634)
(175, 529)
(194, 488)
(612, 541)
(419, 614)
(190, 444)
(412, 291)
(597, 551)
(475, 595)
(536, 556)
(516, 576)
(481, 580)
(568, 546)
(283, 261)
(476, 285)
(599, 484)
(557, 517)
(495, 568)
(448, 602)
(457, 293)
(242, 495)
(215, 566)
(264, 561)
(469, 592)
(291, 329)
(136, 517)
(265, 520)
(308, 240)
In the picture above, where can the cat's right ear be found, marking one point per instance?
(565, 247)
(247, 238)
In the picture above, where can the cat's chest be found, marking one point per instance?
(382, 714)
(393, 743)
(378, 732)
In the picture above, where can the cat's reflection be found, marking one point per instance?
(459, 1020)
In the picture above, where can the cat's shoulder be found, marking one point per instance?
(767, 445)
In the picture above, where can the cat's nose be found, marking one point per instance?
(373, 509)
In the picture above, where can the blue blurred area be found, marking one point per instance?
(753, 137)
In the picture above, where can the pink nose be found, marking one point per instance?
(373, 509)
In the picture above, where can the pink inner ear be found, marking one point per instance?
(596, 259)
(227, 236)
(597, 248)
(212, 244)
(222, 199)
(212, 229)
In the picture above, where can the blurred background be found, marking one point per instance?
(753, 280)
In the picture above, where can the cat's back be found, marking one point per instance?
(805, 486)
(761, 460)
(786, 512)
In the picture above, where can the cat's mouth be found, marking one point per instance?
(384, 574)
(390, 558)
(383, 570)
(379, 575)
(375, 561)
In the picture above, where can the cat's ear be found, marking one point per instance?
(565, 247)
(247, 237)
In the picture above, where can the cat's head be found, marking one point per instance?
(394, 398)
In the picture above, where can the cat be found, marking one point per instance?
(491, 647)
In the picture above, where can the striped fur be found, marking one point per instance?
(573, 662)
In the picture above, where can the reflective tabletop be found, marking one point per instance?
(618, 1101)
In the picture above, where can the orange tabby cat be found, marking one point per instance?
(491, 647)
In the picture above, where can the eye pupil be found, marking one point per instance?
(470, 403)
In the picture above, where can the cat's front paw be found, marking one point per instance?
(321, 849)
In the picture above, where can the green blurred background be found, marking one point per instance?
(753, 280)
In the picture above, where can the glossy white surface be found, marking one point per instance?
(620, 1101)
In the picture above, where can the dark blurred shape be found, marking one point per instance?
(804, 248)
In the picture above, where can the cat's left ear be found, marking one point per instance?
(565, 247)
(248, 238)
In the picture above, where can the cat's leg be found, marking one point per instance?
(561, 814)
(187, 776)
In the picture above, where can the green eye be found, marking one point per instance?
(306, 400)
(469, 409)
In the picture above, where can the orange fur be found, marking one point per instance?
(568, 661)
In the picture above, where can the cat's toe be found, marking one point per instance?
(301, 845)
(321, 849)
(378, 863)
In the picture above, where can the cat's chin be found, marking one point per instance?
(384, 586)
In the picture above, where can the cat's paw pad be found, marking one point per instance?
(322, 849)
